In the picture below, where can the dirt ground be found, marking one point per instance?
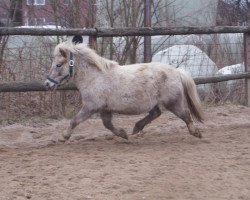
(163, 163)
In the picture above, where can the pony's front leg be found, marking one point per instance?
(107, 122)
(81, 116)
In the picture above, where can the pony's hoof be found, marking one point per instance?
(123, 134)
(197, 134)
(63, 138)
(136, 130)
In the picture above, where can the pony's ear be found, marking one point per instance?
(77, 39)
(63, 52)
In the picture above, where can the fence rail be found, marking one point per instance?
(38, 86)
(119, 32)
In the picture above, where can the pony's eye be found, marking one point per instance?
(58, 65)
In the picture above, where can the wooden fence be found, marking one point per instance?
(119, 32)
(145, 31)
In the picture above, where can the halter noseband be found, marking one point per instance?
(67, 76)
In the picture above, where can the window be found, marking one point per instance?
(31, 22)
(35, 2)
(40, 21)
(36, 21)
(67, 2)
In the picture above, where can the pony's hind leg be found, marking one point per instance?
(181, 110)
(107, 122)
(153, 114)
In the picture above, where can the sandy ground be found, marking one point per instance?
(163, 163)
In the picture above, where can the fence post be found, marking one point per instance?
(93, 42)
(247, 65)
(147, 23)
(93, 39)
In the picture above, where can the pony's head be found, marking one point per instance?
(63, 63)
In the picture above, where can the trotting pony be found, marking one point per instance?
(107, 88)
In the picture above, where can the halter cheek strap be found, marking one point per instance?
(67, 76)
(71, 64)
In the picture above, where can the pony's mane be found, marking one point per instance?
(89, 56)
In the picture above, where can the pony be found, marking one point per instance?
(107, 87)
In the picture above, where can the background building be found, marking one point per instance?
(66, 13)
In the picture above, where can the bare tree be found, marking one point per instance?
(233, 12)
(120, 13)
(13, 10)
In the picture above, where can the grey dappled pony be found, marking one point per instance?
(107, 88)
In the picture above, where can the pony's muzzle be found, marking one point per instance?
(49, 85)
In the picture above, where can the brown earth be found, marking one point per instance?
(164, 163)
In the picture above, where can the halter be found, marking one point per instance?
(67, 76)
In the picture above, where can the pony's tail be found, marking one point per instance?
(192, 97)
